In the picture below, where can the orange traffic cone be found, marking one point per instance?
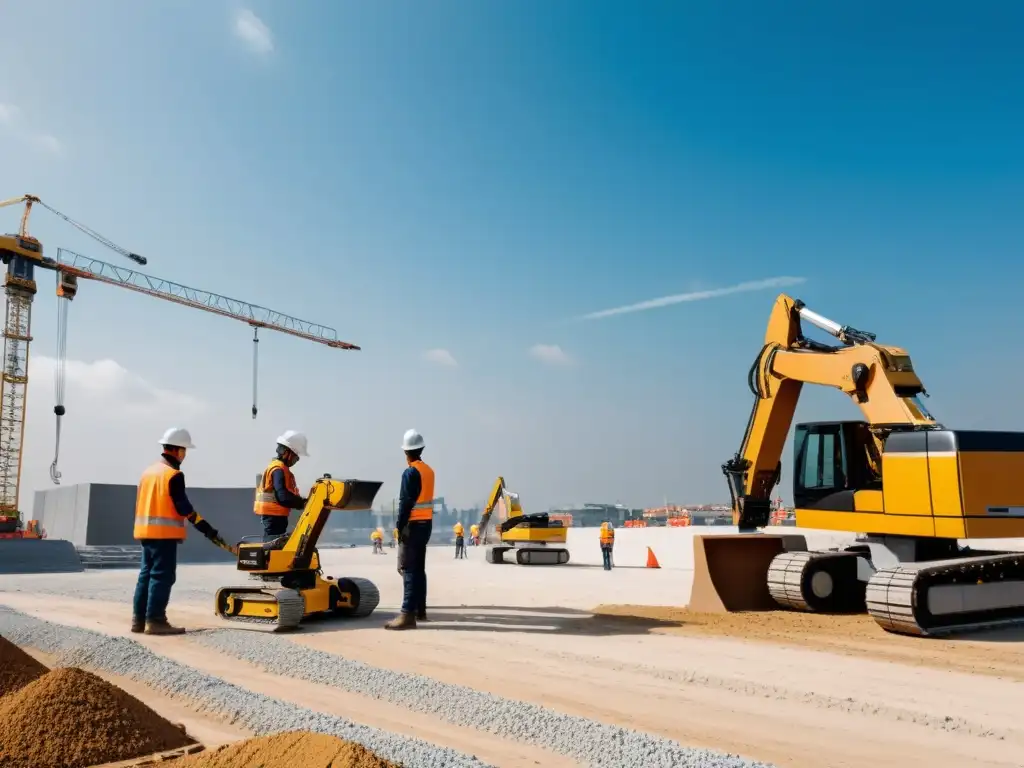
(652, 561)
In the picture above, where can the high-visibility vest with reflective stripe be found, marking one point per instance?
(424, 508)
(155, 514)
(266, 501)
(607, 535)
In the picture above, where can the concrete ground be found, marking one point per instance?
(790, 689)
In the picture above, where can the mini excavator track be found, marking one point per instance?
(286, 608)
(817, 582)
(944, 596)
(528, 555)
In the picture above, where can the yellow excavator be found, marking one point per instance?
(534, 538)
(294, 587)
(908, 486)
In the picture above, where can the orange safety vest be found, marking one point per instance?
(155, 514)
(266, 501)
(458, 529)
(423, 510)
(607, 535)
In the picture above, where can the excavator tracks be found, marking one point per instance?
(816, 582)
(365, 597)
(945, 596)
(528, 555)
(284, 608)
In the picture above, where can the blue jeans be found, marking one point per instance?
(153, 591)
(273, 526)
(412, 554)
(606, 556)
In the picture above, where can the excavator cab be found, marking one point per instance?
(833, 460)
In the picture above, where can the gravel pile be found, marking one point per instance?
(288, 750)
(588, 741)
(70, 718)
(17, 668)
(256, 712)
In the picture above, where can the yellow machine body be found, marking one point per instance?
(294, 587)
(534, 539)
(908, 486)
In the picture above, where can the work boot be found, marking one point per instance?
(162, 627)
(402, 621)
(138, 625)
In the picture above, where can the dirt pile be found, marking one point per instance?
(70, 718)
(288, 750)
(17, 668)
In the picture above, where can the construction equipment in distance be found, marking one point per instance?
(22, 254)
(910, 487)
(294, 586)
(533, 538)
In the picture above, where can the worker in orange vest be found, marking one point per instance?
(607, 543)
(377, 537)
(277, 492)
(460, 540)
(415, 522)
(161, 509)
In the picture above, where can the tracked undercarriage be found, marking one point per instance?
(963, 591)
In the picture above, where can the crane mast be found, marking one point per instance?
(22, 254)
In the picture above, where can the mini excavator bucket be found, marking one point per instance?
(730, 572)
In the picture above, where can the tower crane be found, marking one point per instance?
(23, 254)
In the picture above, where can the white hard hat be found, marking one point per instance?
(412, 441)
(178, 437)
(294, 440)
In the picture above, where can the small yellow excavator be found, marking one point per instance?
(534, 538)
(294, 587)
(908, 486)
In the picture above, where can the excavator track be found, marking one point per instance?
(541, 556)
(941, 597)
(290, 607)
(366, 597)
(816, 582)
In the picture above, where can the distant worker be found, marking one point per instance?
(607, 543)
(474, 534)
(377, 537)
(415, 523)
(394, 538)
(277, 492)
(460, 541)
(161, 509)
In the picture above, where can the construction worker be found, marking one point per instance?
(415, 522)
(607, 543)
(394, 538)
(474, 534)
(277, 492)
(377, 537)
(161, 509)
(460, 541)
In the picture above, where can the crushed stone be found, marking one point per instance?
(288, 750)
(70, 718)
(17, 668)
(256, 712)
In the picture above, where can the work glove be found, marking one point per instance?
(205, 528)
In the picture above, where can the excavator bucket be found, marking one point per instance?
(730, 572)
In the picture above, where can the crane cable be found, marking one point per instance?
(94, 234)
(255, 366)
(60, 376)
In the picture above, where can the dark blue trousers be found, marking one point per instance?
(606, 556)
(156, 577)
(412, 553)
(273, 526)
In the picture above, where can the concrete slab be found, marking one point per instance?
(38, 556)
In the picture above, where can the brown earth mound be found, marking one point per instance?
(288, 750)
(70, 718)
(17, 668)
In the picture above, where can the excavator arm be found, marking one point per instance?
(879, 379)
(492, 502)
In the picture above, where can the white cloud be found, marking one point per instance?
(552, 354)
(106, 382)
(251, 30)
(440, 357)
(714, 293)
(12, 118)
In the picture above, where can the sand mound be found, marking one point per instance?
(17, 668)
(69, 718)
(288, 750)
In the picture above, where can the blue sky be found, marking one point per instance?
(475, 177)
